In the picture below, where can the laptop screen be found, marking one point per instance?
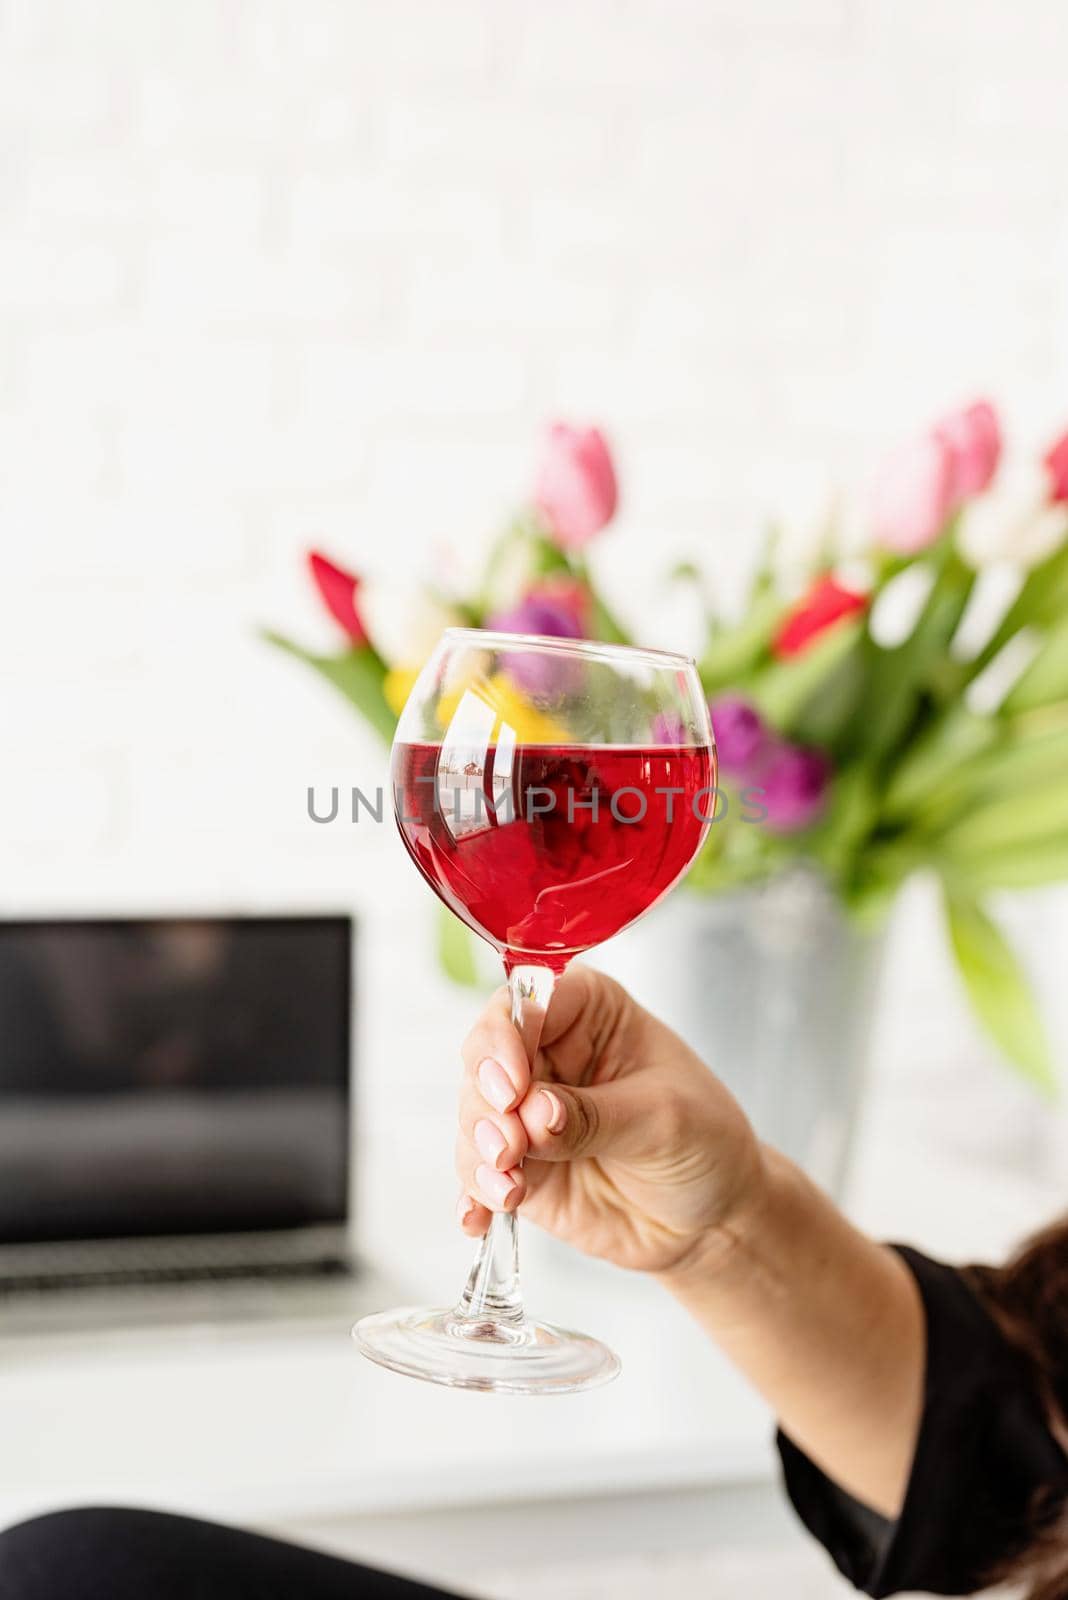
(181, 1076)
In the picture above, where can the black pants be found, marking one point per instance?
(115, 1554)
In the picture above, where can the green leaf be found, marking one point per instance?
(897, 678)
(965, 762)
(837, 838)
(521, 553)
(1019, 761)
(604, 625)
(810, 695)
(456, 949)
(547, 558)
(358, 674)
(998, 990)
(716, 871)
(1046, 679)
(1028, 865)
(1042, 600)
(934, 757)
(868, 901)
(733, 652)
(1016, 815)
(763, 583)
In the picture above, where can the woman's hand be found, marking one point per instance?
(632, 1149)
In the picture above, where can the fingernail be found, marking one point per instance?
(496, 1186)
(464, 1207)
(557, 1111)
(496, 1085)
(490, 1141)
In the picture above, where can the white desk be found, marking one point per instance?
(284, 1422)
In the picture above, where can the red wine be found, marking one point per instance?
(548, 850)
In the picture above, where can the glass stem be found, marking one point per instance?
(492, 1292)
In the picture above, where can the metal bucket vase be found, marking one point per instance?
(775, 988)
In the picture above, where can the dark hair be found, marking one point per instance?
(1028, 1298)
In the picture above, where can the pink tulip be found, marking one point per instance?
(913, 495)
(973, 438)
(1055, 462)
(575, 490)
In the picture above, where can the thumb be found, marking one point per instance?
(562, 1122)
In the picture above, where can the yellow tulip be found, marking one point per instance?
(513, 709)
(397, 685)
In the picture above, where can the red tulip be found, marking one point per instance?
(826, 603)
(569, 593)
(338, 589)
(973, 438)
(576, 490)
(1055, 462)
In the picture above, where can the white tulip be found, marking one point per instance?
(404, 622)
(896, 609)
(1015, 523)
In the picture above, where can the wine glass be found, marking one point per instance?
(550, 791)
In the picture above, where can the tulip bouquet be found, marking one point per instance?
(898, 706)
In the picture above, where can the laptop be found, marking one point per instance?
(174, 1111)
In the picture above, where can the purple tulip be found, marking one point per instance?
(742, 740)
(795, 782)
(538, 672)
(537, 614)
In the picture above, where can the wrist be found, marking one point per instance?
(722, 1249)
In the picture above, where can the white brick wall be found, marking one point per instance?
(276, 270)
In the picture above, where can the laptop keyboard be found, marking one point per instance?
(174, 1273)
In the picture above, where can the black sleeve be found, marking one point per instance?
(987, 1474)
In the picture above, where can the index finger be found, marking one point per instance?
(493, 1054)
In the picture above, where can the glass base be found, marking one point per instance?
(467, 1353)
